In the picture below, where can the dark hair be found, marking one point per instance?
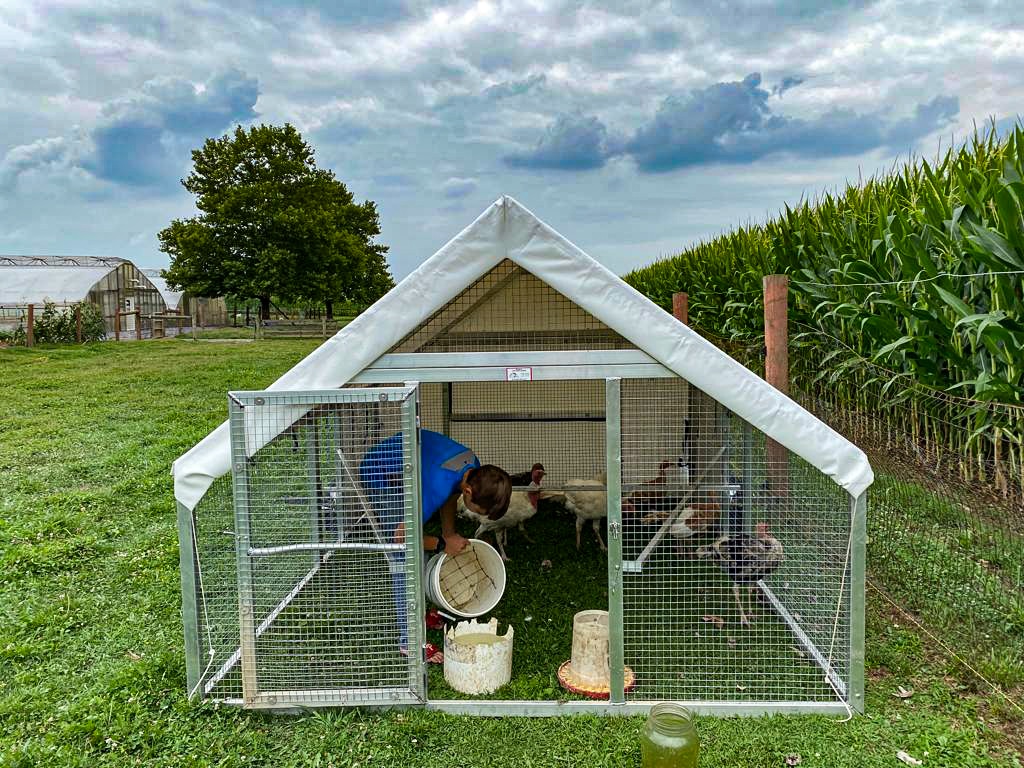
(492, 489)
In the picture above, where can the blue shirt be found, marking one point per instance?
(442, 465)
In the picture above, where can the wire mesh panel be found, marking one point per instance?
(325, 494)
(737, 558)
(559, 424)
(510, 310)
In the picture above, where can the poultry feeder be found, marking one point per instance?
(477, 659)
(729, 523)
(468, 584)
(588, 672)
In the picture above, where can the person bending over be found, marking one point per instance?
(447, 469)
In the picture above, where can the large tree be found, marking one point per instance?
(271, 223)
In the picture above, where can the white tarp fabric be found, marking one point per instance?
(508, 230)
(34, 284)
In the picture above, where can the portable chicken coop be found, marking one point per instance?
(513, 341)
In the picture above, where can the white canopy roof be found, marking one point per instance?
(508, 230)
(20, 284)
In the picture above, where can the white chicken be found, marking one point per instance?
(585, 504)
(522, 505)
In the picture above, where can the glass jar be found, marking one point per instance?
(669, 739)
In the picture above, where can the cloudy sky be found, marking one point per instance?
(632, 127)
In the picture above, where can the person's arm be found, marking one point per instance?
(453, 542)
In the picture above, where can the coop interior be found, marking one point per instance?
(325, 620)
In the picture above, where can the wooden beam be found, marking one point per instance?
(776, 370)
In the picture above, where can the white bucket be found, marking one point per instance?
(469, 584)
(475, 667)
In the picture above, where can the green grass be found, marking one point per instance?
(91, 659)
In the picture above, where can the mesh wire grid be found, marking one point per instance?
(682, 623)
(315, 530)
(510, 310)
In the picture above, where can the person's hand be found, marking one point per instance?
(454, 543)
(400, 534)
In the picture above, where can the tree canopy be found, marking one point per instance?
(271, 223)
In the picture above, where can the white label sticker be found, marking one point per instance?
(519, 374)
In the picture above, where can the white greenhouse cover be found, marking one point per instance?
(171, 298)
(22, 284)
(508, 230)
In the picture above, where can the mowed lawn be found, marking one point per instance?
(91, 660)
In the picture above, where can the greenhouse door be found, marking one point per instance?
(327, 514)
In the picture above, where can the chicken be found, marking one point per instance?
(663, 493)
(585, 504)
(745, 559)
(695, 518)
(522, 505)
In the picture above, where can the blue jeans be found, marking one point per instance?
(388, 504)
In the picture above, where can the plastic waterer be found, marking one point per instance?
(669, 739)
(476, 658)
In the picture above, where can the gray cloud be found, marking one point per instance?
(143, 139)
(572, 143)
(399, 96)
(455, 187)
(730, 122)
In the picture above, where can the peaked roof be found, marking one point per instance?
(508, 230)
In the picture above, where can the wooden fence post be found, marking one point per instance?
(30, 331)
(681, 307)
(78, 323)
(776, 369)
(138, 324)
(117, 324)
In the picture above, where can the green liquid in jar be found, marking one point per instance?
(669, 739)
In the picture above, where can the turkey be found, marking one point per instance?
(585, 504)
(529, 479)
(745, 559)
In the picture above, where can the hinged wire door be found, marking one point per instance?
(326, 490)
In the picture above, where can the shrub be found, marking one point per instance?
(56, 325)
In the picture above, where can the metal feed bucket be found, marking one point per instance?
(469, 584)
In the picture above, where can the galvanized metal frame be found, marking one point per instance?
(292, 703)
(612, 365)
(613, 448)
(858, 561)
(415, 593)
(189, 596)
(246, 604)
(492, 366)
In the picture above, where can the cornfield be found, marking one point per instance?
(907, 286)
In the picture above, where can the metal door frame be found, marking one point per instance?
(295, 406)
